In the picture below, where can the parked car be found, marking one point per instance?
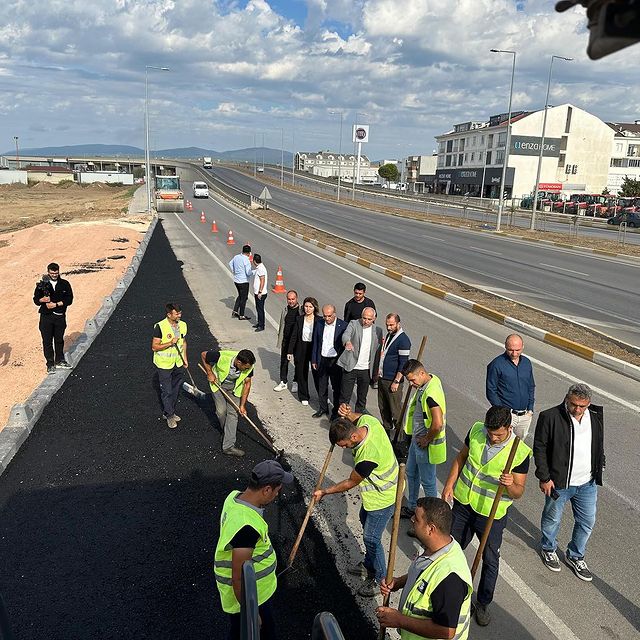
(632, 218)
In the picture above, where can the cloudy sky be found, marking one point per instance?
(73, 71)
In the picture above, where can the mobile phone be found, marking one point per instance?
(554, 494)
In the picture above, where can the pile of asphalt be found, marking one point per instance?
(109, 520)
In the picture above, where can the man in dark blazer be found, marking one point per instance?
(326, 349)
(360, 359)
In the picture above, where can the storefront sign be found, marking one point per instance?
(530, 146)
(552, 187)
(474, 176)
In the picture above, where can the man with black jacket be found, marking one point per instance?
(53, 295)
(568, 449)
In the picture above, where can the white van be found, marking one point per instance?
(200, 190)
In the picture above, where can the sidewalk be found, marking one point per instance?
(138, 203)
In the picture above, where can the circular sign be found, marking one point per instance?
(361, 133)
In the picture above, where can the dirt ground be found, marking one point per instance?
(92, 256)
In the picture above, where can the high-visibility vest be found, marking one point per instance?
(379, 489)
(438, 446)
(418, 603)
(478, 483)
(221, 370)
(169, 357)
(234, 516)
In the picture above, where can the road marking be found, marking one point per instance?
(493, 253)
(553, 266)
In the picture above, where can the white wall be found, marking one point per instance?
(105, 176)
(13, 176)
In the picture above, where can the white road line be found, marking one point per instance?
(553, 266)
(493, 253)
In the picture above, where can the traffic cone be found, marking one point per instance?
(279, 287)
(203, 218)
(214, 227)
(190, 206)
(230, 239)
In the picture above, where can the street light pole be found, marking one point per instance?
(534, 205)
(353, 184)
(147, 158)
(508, 140)
(335, 113)
(293, 158)
(281, 156)
(15, 138)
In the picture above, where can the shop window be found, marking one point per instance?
(488, 157)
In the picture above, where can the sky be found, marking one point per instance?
(73, 71)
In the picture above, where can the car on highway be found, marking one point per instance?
(200, 190)
(260, 169)
(632, 218)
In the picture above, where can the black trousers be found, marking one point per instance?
(302, 360)
(170, 382)
(329, 371)
(241, 300)
(52, 331)
(260, 309)
(284, 363)
(359, 378)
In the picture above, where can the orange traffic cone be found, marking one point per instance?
(279, 287)
(190, 206)
(214, 227)
(230, 239)
(203, 218)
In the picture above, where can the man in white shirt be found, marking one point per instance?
(360, 359)
(568, 448)
(259, 290)
(240, 266)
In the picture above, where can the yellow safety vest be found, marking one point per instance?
(169, 357)
(438, 446)
(418, 602)
(221, 370)
(236, 515)
(379, 489)
(478, 483)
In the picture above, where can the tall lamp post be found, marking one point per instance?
(353, 183)
(534, 206)
(147, 160)
(508, 141)
(281, 156)
(15, 139)
(335, 113)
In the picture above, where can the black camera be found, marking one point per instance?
(44, 286)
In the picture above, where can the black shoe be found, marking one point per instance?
(51, 368)
(580, 568)
(319, 414)
(483, 617)
(234, 314)
(63, 364)
(259, 329)
(244, 318)
(406, 513)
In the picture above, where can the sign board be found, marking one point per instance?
(265, 195)
(360, 133)
(553, 187)
(530, 146)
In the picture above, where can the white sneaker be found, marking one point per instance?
(304, 403)
(294, 387)
(281, 386)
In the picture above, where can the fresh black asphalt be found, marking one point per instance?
(109, 520)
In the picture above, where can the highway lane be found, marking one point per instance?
(474, 212)
(598, 291)
(531, 602)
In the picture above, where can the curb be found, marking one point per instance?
(23, 416)
(582, 351)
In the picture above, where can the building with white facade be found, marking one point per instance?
(420, 172)
(576, 156)
(327, 164)
(625, 154)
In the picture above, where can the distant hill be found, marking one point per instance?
(271, 156)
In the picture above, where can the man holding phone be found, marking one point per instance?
(568, 449)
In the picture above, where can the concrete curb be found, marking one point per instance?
(23, 416)
(597, 357)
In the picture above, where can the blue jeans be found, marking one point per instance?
(420, 471)
(373, 524)
(583, 502)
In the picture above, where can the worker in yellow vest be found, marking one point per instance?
(376, 472)
(436, 591)
(244, 536)
(233, 371)
(169, 346)
(472, 484)
(425, 421)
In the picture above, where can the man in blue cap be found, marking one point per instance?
(244, 536)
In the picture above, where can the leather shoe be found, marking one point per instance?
(319, 414)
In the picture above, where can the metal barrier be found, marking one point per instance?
(326, 627)
(249, 618)
(622, 233)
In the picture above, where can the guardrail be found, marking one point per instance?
(249, 617)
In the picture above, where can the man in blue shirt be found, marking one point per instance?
(240, 266)
(510, 384)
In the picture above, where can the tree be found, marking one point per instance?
(389, 172)
(606, 192)
(629, 187)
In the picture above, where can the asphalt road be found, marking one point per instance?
(109, 520)
(597, 291)
(531, 602)
(599, 229)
